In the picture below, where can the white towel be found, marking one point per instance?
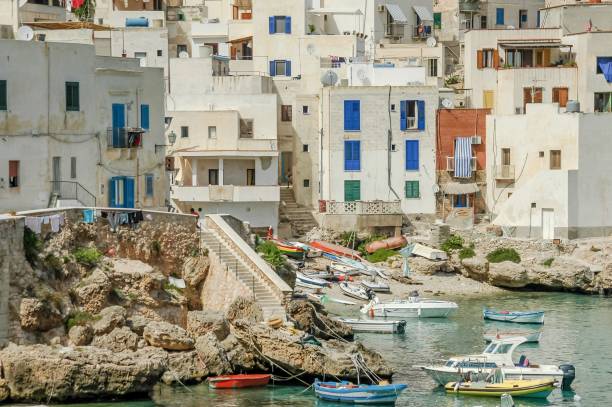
(34, 223)
(55, 223)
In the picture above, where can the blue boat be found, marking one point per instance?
(346, 392)
(524, 317)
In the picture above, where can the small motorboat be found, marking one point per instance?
(413, 307)
(304, 280)
(344, 269)
(495, 385)
(289, 249)
(346, 392)
(324, 275)
(335, 249)
(238, 381)
(355, 291)
(523, 317)
(375, 325)
(531, 336)
(376, 286)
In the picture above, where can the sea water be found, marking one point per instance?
(577, 330)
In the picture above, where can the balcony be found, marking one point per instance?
(450, 164)
(226, 193)
(504, 172)
(422, 32)
(124, 137)
(363, 208)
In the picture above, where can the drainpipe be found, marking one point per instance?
(389, 140)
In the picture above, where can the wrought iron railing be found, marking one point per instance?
(124, 137)
(364, 208)
(74, 191)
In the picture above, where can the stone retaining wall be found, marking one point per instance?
(11, 257)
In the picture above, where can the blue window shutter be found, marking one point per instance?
(118, 112)
(144, 116)
(288, 24)
(421, 114)
(352, 155)
(348, 154)
(111, 193)
(272, 68)
(287, 68)
(499, 16)
(129, 192)
(403, 115)
(272, 24)
(356, 115)
(347, 114)
(412, 155)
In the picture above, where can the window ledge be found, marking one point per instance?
(352, 131)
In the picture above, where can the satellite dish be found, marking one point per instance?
(431, 42)
(183, 54)
(447, 103)
(25, 33)
(22, 3)
(329, 78)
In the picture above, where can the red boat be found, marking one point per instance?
(238, 381)
(335, 249)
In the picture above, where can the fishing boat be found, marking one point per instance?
(376, 286)
(289, 249)
(523, 317)
(355, 291)
(335, 249)
(413, 307)
(496, 385)
(310, 251)
(375, 325)
(344, 269)
(302, 278)
(531, 336)
(238, 381)
(346, 392)
(498, 354)
(322, 298)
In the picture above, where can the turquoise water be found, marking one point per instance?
(578, 330)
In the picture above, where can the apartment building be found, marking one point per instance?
(94, 135)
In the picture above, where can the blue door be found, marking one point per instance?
(121, 192)
(118, 122)
(129, 192)
(460, 201)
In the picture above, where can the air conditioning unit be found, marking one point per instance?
(380, 8)
(476, 140)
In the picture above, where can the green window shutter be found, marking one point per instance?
(437, 20)
(72, 97)
(352, 191)
(412, 189)
(3, 97)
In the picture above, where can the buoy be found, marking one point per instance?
(371, 311)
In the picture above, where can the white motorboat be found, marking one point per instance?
(375, 326)
(531, 336)
(310, 281)
(498, 354)
(521, 317)
(344, 269)
(354, 291)
(413, 307)
(376, 286)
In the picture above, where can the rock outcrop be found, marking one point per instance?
(200, 323)
(80, 335)
(36, 315)
(184, 367)
(313, 319)
(108, 319)
(244, 308)
(117, 340)
(212, 354)
(167, 336)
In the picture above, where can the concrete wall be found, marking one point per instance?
(573, 17)
(11, 256)
(453, 123)
(221, 287)
(258, 214)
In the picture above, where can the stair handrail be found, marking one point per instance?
(250, 257)
(85, 197)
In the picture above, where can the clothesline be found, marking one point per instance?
(35, 223)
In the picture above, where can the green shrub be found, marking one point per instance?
(380, 255)
(466, 253)
(155, 247)
(454, 242)
(89, 256)
(31, 246)
(80, 318)
(347, 238)
(548, 262)
(271, 254)
(52, 263)
(503, 254)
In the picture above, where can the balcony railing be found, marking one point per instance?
(504, 172)
(364, 208)
(73, 190)
(450, 164)
(422, 31)
(124, 137)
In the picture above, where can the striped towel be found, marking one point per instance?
(463, 157)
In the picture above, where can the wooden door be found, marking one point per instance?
(560, 95)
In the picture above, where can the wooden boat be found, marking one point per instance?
(413, 307)
(335, 249)
(288, 249)
(375, 325)
(531, 336)
(538, 388)
(238, 381)
(304, 280)
(523, 317)
(376, 286)
(354, 291)
(346, 392)
(344, 269)
(390, 243)
(310, 251)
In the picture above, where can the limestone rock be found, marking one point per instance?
(421, 265)
(185, 367)
(201, 322)
(137, 323)
(508, 274)
(80, 335)
(475, 268)
(108, 319)
(244, 308)
(167, 336)
(36, 315)
(117, 340)
(313, 319)
(238, 356)
(195, 270)
(5, 392)
(45, 373)
(212, 354)
(92, 293)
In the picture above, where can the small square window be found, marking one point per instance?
(305, 109)
(180, 48)
(393, 147)
(541, 154)
(184, 131)
(305, 148)
(159, 53)
(212, 132)
(306, 183)
(149, 185)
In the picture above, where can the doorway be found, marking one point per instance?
(285, 167)
(548, 224)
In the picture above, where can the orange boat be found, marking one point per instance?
(335, 249)
(238, 381)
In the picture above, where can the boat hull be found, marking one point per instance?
(238, 381)
(412, 312)
(521, 388)
(357, 292)
(379, 288)
(373, 326)
(532, 337)
(359, 394)
(516, 317)
(444, 375)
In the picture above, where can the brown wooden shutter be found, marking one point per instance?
(495, 59)
(526, 98)
(562, 96)
(479, 59)
(537, 98)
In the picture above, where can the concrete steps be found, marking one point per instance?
(300, 218)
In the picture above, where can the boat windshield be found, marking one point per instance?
(450, 363)
(489, 349)
(503, 348)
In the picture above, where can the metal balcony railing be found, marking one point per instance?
(450, 164)
(504, 172)
(74, 191)
(124, 137)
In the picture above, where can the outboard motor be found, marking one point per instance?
(569, 374)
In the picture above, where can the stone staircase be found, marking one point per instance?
(299, 217)
(262, 293)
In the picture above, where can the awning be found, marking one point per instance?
(424, 13)
(330, 10)
(242, 39)
(456, 188)
(396, 13)
(533, 44)
(463, 157)
(605, 64)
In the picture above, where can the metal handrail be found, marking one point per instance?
(73, 190)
